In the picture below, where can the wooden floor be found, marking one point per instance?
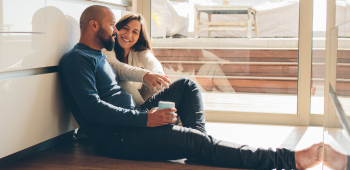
(79, 154)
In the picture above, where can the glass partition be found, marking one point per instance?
(337, 140)
(243, 54)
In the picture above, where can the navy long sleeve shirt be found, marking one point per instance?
(90, 89)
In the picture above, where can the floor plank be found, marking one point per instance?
(79, 154)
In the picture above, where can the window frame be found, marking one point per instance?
(303, 116)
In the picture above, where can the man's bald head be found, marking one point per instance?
(95, 12)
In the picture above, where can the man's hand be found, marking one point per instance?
(155, 81)
(161, 117)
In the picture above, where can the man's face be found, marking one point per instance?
(107, 31)
(106, 39)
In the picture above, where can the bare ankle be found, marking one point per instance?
(309, 157)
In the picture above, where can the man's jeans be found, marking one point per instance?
(176, 142)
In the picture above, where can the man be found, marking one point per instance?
(116, 127)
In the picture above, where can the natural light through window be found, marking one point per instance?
(244, 54)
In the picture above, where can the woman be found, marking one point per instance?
(133, 47)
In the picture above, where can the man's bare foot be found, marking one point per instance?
(309, 157)
(334, 159)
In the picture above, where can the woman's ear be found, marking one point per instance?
(94, 25)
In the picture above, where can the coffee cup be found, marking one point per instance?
(166, 104)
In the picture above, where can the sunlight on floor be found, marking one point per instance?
(254, 135)
(265, 136)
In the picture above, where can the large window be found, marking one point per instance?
(244, 57)
(265, 67)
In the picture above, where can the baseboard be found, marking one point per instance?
(35, 149)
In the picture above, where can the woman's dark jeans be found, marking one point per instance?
(176, 142)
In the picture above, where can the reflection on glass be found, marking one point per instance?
(5, 88)
(206, 70)
(17, 15)
(335, 159)
(237, 70)
(342, 85)
(318, 56)
(39, 48)
(337, 140)
(343, 54)
(342, 11)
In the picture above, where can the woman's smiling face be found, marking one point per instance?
(129, 34)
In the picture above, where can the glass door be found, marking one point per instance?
(244, 55)
(337, 138)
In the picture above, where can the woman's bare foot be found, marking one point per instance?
(309, 157)
(334, 159)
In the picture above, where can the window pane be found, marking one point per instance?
(319, 53)
(236, 69)
(318, 56)
(343, 67)
(337, 139)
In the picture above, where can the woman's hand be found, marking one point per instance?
(155, 81)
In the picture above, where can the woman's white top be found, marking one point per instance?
(142, 59)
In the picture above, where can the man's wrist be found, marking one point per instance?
(142, 119)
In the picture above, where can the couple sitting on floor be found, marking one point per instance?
(119, 128)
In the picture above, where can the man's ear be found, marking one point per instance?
(94, 25)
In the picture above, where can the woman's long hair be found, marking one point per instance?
(143, 43)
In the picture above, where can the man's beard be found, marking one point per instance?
(107, 40)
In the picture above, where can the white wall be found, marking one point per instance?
(35, 34)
